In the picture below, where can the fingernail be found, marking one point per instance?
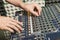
(19, 32)
(12, 31)
(22, 29)
(22, 23)
(37, 15)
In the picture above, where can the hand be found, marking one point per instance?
(9, 24)
(30, 8)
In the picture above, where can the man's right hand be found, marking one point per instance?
(9, 24)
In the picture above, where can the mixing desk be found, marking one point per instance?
(44, 27)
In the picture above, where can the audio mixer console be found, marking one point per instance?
(44, 27)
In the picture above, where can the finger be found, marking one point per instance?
(39, 9)
(9, 29)
(34, 13)
(20, 23)
(18, 26)
(14, 27)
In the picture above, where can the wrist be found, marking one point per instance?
(22, 5)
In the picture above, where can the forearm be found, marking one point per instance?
(16, 3)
